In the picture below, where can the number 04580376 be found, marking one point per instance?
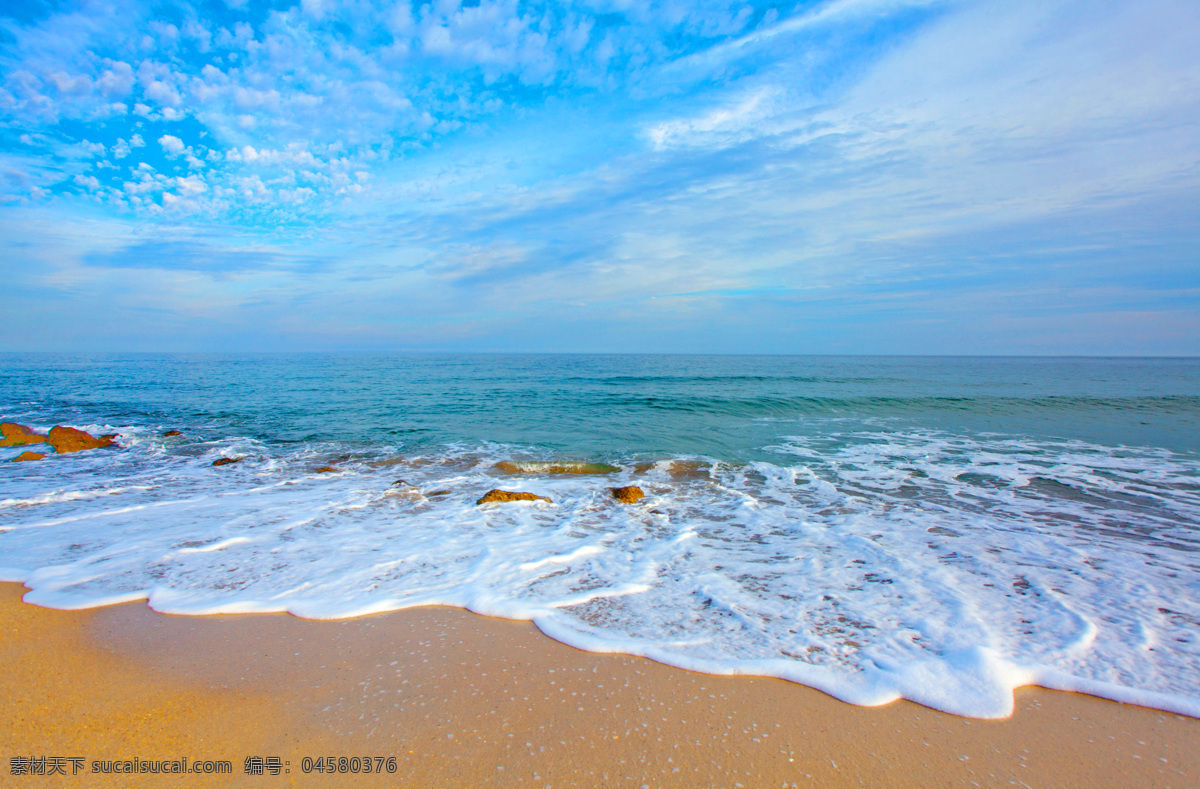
(348, 764)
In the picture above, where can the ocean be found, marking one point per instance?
(937, 529)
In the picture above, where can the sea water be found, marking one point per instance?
(937, 529)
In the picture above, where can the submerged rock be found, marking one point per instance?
(171, 433)
(630, 494)
(403, 490)
(509, 495)
(226, 461)
(686, 470)
(19, 435)
(386, 463)
(544, 467)
(68, 439)
(28, 456)
(325, 469)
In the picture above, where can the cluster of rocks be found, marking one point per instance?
(629, 494)
(68, 439)
(60, 438)
(63, 439)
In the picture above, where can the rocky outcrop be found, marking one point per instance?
(630, 494)
(226, 461)
(68, 439)
(28, 456)
(19, 435)
(171, 433)
(325, 469)
(509, 495)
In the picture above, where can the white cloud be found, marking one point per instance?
(71, 85)
(735, 122)
(190, 186)
(116, 80)
(163, 93)
(313, 8)
(171, 144)
(88, 182)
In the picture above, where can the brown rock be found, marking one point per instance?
(439, 493)
(19, 435)
(68, 439)
(170, 433)
(109, 436)
(28, 456)
(630, 494)
(226, 461)
(690, 470)
(325, 469)
(508, 495)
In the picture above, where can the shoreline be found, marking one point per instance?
(462, 699)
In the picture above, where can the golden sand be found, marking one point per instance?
(465, 700)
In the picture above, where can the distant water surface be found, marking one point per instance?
(942, 529)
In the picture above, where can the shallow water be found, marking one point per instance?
(938, 529)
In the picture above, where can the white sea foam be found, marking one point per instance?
(940, 568)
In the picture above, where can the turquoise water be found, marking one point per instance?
(592, 406)
(939, 529)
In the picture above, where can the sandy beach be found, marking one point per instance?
(464, 700)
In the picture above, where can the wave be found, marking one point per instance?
(946, 568)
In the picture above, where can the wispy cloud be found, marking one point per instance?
(500, 172)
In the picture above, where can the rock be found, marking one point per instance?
(68, 439)
(325, 469)
(508, 495)
(110, 436)
(543, 467)
(386, 463)
(19, 435)
(171, 433)
(630, 494)
(439, 493)
(686, 470)
(28, 456)
(226, 461)
(402, 490)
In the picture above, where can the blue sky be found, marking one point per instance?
(845, 176)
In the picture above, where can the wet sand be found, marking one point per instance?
(465, 700)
